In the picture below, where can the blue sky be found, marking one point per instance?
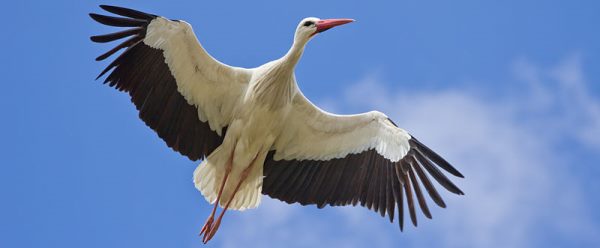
(508, 91)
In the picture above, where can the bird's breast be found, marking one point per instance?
(273, 87)
(259, 124)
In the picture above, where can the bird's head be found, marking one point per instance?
(310, 26)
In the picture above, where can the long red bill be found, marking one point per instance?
(326, 24)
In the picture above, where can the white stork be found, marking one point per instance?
(257, 133)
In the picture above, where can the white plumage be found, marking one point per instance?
(255, 130)
(215, 88)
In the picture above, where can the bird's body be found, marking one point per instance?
(257, 121)
(257, 133)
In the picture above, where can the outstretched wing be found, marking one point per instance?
(336, 160)
(182, 93)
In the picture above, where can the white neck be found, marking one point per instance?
(292, 57)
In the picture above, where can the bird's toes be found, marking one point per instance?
(207, 226)
(213, 230)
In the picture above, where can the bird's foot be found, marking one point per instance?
(207, 226)
(211, 232)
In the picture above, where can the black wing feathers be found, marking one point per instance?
(141, 71)
(441, 162)
(135, 14)
(366, 178)
(118, 21)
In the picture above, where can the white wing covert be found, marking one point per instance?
(314, 134)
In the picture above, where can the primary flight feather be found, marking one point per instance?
(256, 133)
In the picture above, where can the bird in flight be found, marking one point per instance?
(256, 133)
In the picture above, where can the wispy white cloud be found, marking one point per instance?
(518, 187)
(583, 108)
(559, 99)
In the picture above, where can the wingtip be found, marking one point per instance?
(94, 39)
(101, 74)
(450, 169)
(454, 173)
(414, 222)
(96, 17)
(106, 6)
(441, 162)
(127, 12)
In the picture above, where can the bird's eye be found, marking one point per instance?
(308, 23)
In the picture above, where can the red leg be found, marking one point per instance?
(209, 222)
(215, 227)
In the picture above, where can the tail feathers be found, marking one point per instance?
(207, 179)
(248, 196)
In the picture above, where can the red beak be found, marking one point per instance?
(326, 24)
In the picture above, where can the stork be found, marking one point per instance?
(256, 133)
